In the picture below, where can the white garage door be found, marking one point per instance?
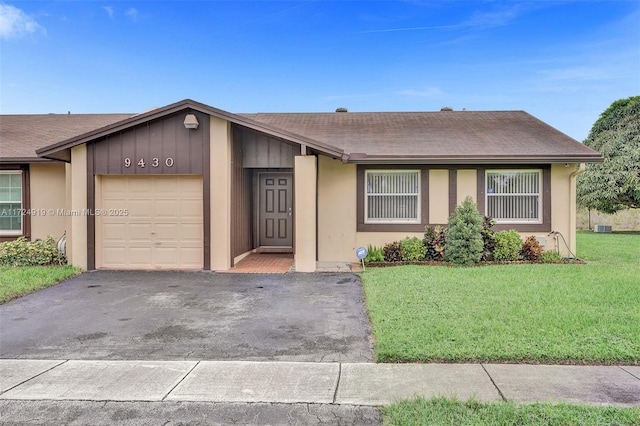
(151, 222)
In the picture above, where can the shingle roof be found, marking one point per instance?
(409, 137)
(439, 135)
(21, 135)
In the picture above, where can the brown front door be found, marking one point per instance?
(276, 210)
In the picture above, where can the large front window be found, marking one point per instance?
(392, 196)
(10, 202)
(514, 196)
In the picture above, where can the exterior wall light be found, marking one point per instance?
(191, 121)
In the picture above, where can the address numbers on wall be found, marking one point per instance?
(155, 162)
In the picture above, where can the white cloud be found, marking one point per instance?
(132, 13)
(109, 10)
(15, 23)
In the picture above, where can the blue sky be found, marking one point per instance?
(562, 61)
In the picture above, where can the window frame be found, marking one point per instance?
(397, 221)
(391, 227)
(540, 194)
(23, 169)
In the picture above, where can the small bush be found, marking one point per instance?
(550, 256)
(464, 238)
(488, 238)
(434, 242)
(531, 249)
(413, 249)
(374, 254)
(508, 245)
(392, 252)
(22, 252)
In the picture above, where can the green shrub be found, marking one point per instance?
(434, 242)
(488, 238)
(374, 254)
(392, 252)
(22, 252)
(413, 249)
(464, 244)
(531, 249)
(508, 245)
(550, 256)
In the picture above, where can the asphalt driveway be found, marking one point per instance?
(190, 315)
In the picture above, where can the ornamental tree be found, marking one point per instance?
(614, 184)
(464, 244)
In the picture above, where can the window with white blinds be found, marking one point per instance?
(392, 196)
(514, 196)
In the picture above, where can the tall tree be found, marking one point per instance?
(614, 184)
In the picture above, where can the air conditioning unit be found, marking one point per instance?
(602, 228)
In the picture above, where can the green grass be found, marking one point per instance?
(533, 313)
(443, 411)
(16, 282)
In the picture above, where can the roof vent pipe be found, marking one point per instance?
(342, 109)
(446, 108)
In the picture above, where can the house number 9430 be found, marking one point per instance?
(155, 162)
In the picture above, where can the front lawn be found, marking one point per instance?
(534, 313)
(443, 411)
(18, 281)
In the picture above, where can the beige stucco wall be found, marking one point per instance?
(438, 196)
(338, 238)
(77, 250)
(47, 195)
(563, 207)
(336, 210)
(305, 177)
(467, 185)
(220, 163)
(68, 182)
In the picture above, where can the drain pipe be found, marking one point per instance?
(572, 197)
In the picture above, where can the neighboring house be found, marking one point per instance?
(188, 186)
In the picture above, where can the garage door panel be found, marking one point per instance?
(167, 184)
(112, 257)
(164, 228)
(166, 208)
(191, 232)
(189, 257)
(113, 203)
(190, 208)
(140, 256)
(140, 208)
(114, 232)
(166, 256)
(140, 232)
(139, 185)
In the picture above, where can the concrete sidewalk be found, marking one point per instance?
(364, 384)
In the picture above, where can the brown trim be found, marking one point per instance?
(453, 190)
(391, 227)
(25, 160)
(545, 226)
(26, 201)
(446, 161)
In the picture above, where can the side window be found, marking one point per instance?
(514, 196)
(10, 202)
(392, 196)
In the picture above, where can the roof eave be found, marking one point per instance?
(51, 150)
(26, 160)
(446, 160)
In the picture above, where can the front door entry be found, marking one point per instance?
(276, 210)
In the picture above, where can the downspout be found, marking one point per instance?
(572, 188)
